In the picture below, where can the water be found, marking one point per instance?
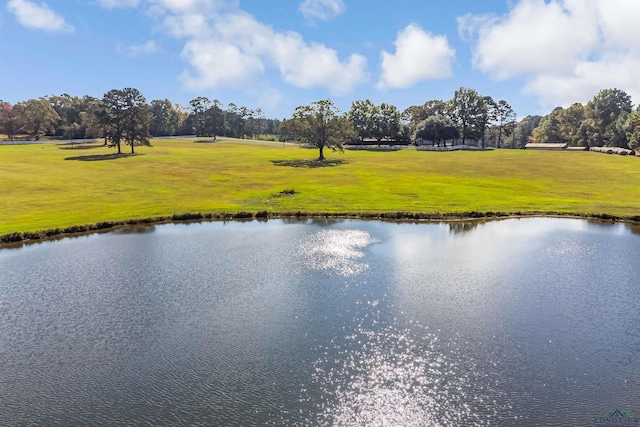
(516, 322)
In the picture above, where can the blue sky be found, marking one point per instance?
(278, 54)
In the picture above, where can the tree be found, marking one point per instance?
(207, 117)
(589, 135)
(236, 118)
(11, 119)
(604, 110)
(523, 131)
(633, 130)
(484, 119)
(437, 129)
(136, 118)
(111, 117)
(214, 119)
(569, 123)
(198, 108)
(69, 109)
(320, 124)
(89, 119)
(411, 117)
(255, 118)
(361, 115)
(40, 117)
(417, 114)
(388, 122)
(616, 133)
(182, 114)
(287, 130)
(164, 118)
(375, 121)
(124, 115)
(503, 120)
(436, 107)
(243, 112)
(271, 125)
(469, 112)
(549, 129)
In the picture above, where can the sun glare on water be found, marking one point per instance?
(389, 378)
(336, 251)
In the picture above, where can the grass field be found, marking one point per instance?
(51, 186)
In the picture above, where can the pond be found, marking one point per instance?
(514, 322)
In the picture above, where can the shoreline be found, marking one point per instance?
(8, 240)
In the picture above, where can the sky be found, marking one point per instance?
(278, 54)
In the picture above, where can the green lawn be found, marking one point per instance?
(50, 186)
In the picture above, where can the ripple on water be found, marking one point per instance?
(336, 251)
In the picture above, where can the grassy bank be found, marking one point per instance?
(55, 186)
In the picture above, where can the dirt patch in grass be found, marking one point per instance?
(286, 193)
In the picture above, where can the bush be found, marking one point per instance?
(103, 225)
(11, 238)
(242, 215)
(186, 216)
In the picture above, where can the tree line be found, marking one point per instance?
(607, 120)
(467, 116)
(124, 116)
(71, 117)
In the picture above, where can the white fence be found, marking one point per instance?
(454, 148)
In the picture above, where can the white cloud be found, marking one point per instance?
(588, 77)
(160, 7)
(234, 49)
(187, 25)
(227, 47)
(218, 64)
(619, 23)
(419, 56)
(133, 51)
(566, 50)
(194, 6)
(38, 16)
(322, 10)
(309, 65)
(535, 36)
(118, 4)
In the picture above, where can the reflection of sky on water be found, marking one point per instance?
(499, 300)
(322, 323)
(380, 370)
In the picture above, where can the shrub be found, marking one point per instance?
(242, 215)
(11, 238)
